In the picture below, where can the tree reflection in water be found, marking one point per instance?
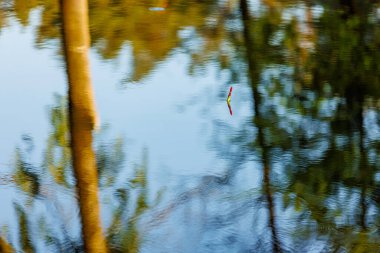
(315, 89)
(82, 115)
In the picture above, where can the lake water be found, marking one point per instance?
(291, 164)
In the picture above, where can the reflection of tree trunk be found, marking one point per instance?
(364, 172)
(363, 205)
(268, 192)
(348, 7)
(82, 120)
(5, 247)
(254, 73)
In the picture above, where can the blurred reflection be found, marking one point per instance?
(313, 71)
(123, 234)
(153, 35)
(5, 247)
(54, 233)
(83, 119)
(318, 166)
(253, 66)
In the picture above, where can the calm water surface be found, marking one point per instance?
(146, 150)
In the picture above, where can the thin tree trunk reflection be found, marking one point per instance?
(82, 120)
(254, 73)
(365, 171)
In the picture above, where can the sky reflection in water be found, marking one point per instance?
(295, 168)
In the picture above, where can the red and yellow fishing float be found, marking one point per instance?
(229, 96)
(229, 100)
